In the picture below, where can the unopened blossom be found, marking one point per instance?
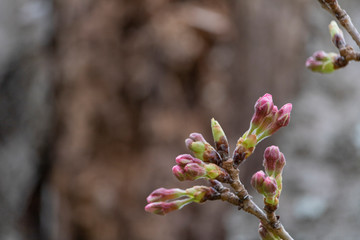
(202, 149)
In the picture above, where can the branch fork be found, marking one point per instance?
(218, 167)
(328, 62)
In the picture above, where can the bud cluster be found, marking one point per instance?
(266, 186)
(202, 150)
(215, 165)
(322, 62)
(266, 120)
(162, 200)
(270, 184)
(190, 168)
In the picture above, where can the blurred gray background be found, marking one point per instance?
(97, 97)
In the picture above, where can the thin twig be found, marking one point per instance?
(344, 19)
(249, 206)
(326, 7)
(270, 213)
(347, 52)
(225, 193)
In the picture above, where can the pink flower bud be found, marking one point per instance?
(163, 194)
(320, 55)
(184, 159)
(282, 118)
(197, 137)
(162, 208)
(313, 64)
(280, 163)
(270, 191)
(322, 62)
(266, 123)
(190, 168)
(274, 111)
(257, 181)
(271, 156)
(179, 173)
(202, 149)
(269, 187)
(263, 107)
(264, 104)
(194, 171)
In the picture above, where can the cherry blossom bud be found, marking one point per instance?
(269, 186)
(271, 155)
(263, 107)
(320, 55)
(282, 119)
(314, 65)
(221, 142)
(268, 122)
(190, 168)
(194, 171)
(163, 194)
(257, 181)
(337, 36)
(200, 193)
(280, 163)
(270, 191)
(322, 62)
(184, 159)
(202, 149)
(179, 173)
(274, 161)
(162, 208)
(190, 172)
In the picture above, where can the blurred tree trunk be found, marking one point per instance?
(128, 75)
(134, 78)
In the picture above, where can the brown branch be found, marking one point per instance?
(225, 194)
(344, 19)
(347, 53)
(248, 205)
(270, 214)
(326, 7)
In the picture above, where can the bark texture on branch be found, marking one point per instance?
(344, 19)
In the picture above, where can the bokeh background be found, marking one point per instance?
(97, 97)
